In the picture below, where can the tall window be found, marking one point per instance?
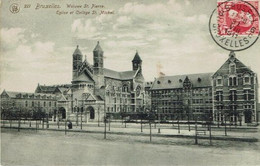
(44, 104)
(32, 103)
(247, 79)
(233, 95)
(219, 95)
(26, 103)
(247, 95)
(232, 81)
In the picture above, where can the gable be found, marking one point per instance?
(240, 67)
(4, 95)
(84, 77)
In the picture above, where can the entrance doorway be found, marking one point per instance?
(62, 113)
(91, 112)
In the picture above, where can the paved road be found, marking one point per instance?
(54, 148)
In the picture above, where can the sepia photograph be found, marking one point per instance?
(129, 82)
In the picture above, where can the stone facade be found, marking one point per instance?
(29, 102)
(97, 90)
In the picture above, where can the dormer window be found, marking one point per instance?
(219, 81)
(247, 79)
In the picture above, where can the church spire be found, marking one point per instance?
(77, 51)
(98, 48)
(137, 57)
(137, 62)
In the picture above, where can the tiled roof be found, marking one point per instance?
(148, 84)
(53, 88)
(125, 75)
(83, 78)
(14, 94)
(47, 89)
(172, 82)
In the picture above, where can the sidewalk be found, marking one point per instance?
(247, 134)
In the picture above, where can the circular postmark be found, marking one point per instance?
(14, 8)
(234, 24)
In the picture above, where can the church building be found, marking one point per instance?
(93, 91)
(96, 89)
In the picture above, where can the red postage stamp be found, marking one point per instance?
(238, 18)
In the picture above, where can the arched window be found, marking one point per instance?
(232, 81)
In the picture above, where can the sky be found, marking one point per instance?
(171, 36)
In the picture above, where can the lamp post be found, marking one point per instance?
(19, 123)
(105, 130)
(98, 116)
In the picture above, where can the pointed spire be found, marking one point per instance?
(98, 48)
(137, 57)
(85, 57)
(77, 51)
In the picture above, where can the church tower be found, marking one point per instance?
(137, 62)
(98, 66)
(76, 62)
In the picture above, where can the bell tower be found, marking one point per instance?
(76, 62)
(98, 66)
(137, 62)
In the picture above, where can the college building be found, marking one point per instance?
(230, 94)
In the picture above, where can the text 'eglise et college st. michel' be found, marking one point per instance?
(230, 93)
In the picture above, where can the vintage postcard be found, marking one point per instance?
(129, 82)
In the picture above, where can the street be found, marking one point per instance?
(54, 148)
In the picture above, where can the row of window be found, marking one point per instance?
(181, 91)
(233, 81)
(113, 94)
(38, 104)
(233, 95)
(234, 107)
